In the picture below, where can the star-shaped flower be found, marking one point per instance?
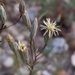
(21, 46)
(50, 28)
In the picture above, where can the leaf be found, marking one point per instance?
(11, 45)
(2, 14)
(26, 20)
(14, 48)
(23, 56)
(34, 29)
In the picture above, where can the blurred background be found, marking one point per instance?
(59, 55)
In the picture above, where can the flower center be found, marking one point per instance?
(22, 47)
(51, 27)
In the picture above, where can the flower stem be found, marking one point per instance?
(42, 49)
(3, 28)
(31, 70)
(15, 22)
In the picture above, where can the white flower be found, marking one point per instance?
(21, 46)
(50, 28)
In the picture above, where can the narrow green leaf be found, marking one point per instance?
(14, 48)
(2, 14)
(11, 45)
(26, 20)
(23, 56)
(34, 29)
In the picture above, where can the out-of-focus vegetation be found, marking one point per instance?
(55, 7)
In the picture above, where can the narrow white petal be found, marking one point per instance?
(54, 23)
(57, 26)
(58, 29)
(54, 33)
(43, 28)
(45, 33)
(49, 34)
(57, 32)
(45, 22)
(48, 19)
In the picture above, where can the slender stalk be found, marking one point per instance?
(31, 70)
(31, 53)
(17, 63)
(3, 28)
(34, 52)
(15, 22)
(42, 49)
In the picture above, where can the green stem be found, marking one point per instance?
(17, 63)
(31, 52)
(31, 70)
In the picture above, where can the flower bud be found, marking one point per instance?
(10, 38)
(22, 7)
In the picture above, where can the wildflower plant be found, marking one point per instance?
(28, 54)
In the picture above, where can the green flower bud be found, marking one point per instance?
(22, 7)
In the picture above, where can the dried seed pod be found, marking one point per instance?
(22, 7)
